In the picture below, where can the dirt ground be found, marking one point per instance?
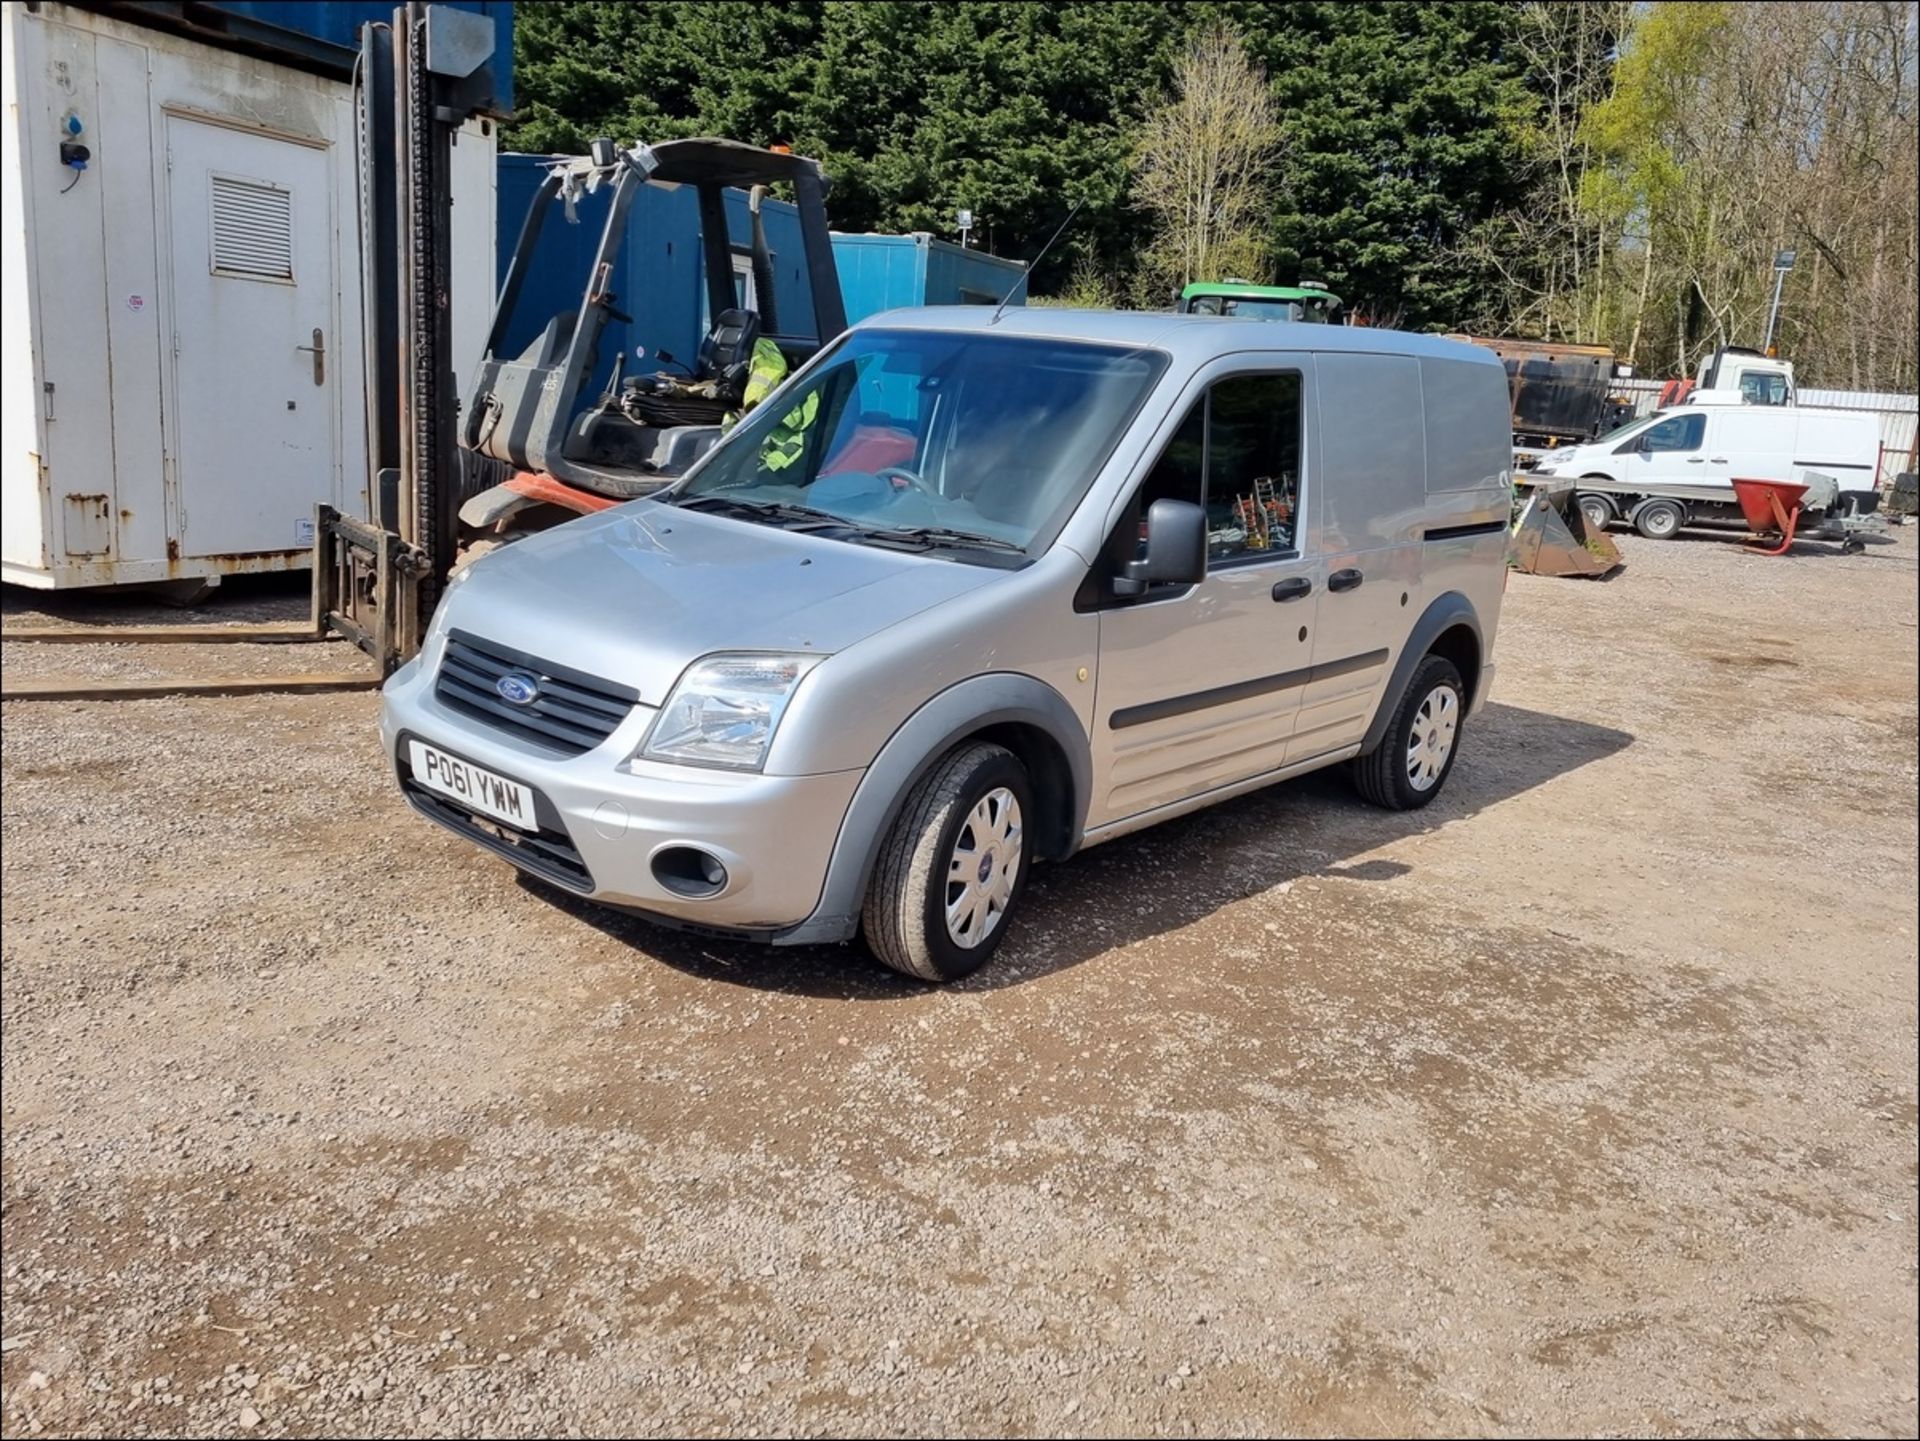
(1583, 1101)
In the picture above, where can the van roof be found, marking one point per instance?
(1189, 338)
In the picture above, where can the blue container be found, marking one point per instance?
(319, 35)
(885, 272)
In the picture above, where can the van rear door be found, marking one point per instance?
(1835, 443)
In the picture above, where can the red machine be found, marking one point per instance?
(1771, 505)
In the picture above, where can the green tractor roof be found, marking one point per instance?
(1242, 290)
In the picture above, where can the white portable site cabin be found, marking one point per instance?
(181, 368)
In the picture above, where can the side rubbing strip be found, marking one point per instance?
(1461, 532)
(1241, 690)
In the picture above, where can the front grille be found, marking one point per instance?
(572, 713)
(549, 855)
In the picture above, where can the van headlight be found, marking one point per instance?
(724, 709)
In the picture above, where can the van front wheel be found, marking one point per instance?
(1415, 757)
(953, 867)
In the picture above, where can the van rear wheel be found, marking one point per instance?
(1415, 757)
(953, 867)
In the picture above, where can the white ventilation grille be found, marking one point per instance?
(252, 229)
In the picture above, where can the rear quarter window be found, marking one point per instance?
(1372, 469)
(1469, 439)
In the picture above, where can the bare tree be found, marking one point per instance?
(1204, 165)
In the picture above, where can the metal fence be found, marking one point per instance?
(1899, 416)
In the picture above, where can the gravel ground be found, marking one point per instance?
(1583, 1101)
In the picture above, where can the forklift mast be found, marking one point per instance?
(376, 581)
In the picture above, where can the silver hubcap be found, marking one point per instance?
(1434, 726)
(983, 868)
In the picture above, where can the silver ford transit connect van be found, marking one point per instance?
(969, 593)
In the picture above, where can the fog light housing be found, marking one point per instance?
(689, 871)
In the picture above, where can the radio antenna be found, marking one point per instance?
(1008, 298)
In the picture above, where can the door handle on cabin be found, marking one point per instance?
(1292, 588)
(1718, 459)
(1696, 460)
(1344, 580)
(319, 352)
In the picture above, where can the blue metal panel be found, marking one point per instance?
(969, 277)
(879, 272)
(321, 35)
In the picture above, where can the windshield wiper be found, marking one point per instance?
(772, 509)
(943, 535)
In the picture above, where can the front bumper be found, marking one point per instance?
(774, 834)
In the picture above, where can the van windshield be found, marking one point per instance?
(939, 438)
(1632, 427)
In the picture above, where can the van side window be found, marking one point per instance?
(1175, 476)
(1676, 432)
(1253, 465)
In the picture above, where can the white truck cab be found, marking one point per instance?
(1744, 377)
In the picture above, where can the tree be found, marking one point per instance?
(1736, 132)
(1402, 124)
(1014, 111)
(1203, 166)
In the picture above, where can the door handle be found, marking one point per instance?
(1344, 580)
(1718, 459)
(1292, 588)
(319, 352)
(1696, 460)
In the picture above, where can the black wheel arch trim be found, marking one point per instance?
(975, 704)
(1442, 615)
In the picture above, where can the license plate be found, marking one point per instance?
(476, 789)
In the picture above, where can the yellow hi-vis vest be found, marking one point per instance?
(789, 437)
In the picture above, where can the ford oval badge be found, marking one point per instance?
(517, 689)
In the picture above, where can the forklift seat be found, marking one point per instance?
(727, 350)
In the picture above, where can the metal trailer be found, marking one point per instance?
(1561, 394)
(183, 373)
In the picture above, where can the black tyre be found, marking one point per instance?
(953, 868)
(1597, 510)
(1416, 755)
(1659, 519)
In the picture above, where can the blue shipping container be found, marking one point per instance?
(319, 35)
(885, 272)
(660, 282)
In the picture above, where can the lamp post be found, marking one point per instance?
(1782, 263)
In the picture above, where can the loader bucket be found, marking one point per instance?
(1552, 538)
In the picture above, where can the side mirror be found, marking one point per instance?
(1176, 549)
